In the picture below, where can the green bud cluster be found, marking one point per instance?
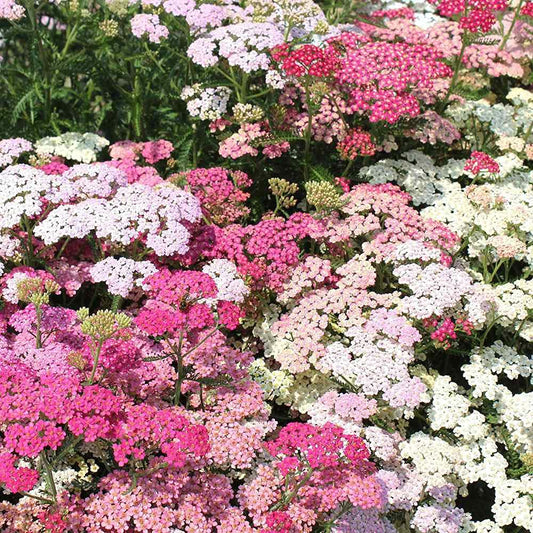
(283, 190)
(104, 324)
(323, 195)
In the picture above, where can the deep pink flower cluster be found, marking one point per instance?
(179, 303)
(527, 9)
(384, 79)
(15, 479)
(91, 411)
(356, 143)
(378, 75)
(147, 430)
(265, 251)
(220, 191)
(30, 439)
(278, 522)
(36, 413)
(402, 12)
(316, 469)
(302, 445)
(53, 522)
(54, 167)
(445, 331)
(179, 288)
(477, 15)
(481, 162)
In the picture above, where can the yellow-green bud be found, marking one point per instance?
(82, 313)
(322, 27)
(323, 195)
(283, 190)
(118, 7)
(77, 360)
(123, 321)
(247, 113)
(109, 27)
(104, 324)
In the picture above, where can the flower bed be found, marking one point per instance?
(304, 306)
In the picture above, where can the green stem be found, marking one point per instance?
(485, 267)
(287, 32)
(519, 329)
(491, 324)
(244, 88)
(29, 257)
(43, 57)
(117, 301)
(202, 405)
(49, 476)
(181, 375)
(347, 168)
(136, 104)
(308, 130)
(96, 358)
(38, 324)
(197, 345)
(47, 501)
(287, 498)
(511, 27)
(136, 475)
(260, 93)
(62, 249)
(455, 72)
(151, 55)
(527, 134)
(495, 271)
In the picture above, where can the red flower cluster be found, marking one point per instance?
(476, 15)
(356, 143)
(481, 162)
(527, 9)
(306, 60)
(385, 81)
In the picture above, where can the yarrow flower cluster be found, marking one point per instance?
(148, 25)
(243, 45)
(208, 103)
(122, 274)
(480, 162)
(11, 149)
(83, 148)
(10, 10)
(135, 211)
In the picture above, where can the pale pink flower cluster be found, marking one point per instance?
(148, 25)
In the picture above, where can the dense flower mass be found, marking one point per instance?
(266, 266)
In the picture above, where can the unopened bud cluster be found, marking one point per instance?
(109, 27)
(36, 290)
(283, 190)
(247, 113)
(323, 195)
(104, 324)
